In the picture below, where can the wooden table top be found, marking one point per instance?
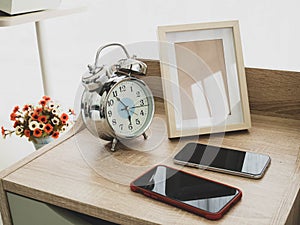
(79, 173)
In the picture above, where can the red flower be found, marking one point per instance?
(35, 116)
(2, 131)
(13, 117)
(16, 109)
(27, 133)
(46, 98)
(37, 132)
(55, 134)
(25, 108)
(16, 124)
(64, 117)
(48, 128)
(38, 110)
(42, 102)
(42, 119)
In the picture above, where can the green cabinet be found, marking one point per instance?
(25, 211)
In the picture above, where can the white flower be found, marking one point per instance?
(55, 121)
(41, 126)
(19, 130)
(33, 125)
(63, 128)
(54, 111)
(52, 105)
(30, 113)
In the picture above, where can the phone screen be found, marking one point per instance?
(223, 158)
(186, 188)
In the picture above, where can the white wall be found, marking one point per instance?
(270, 35)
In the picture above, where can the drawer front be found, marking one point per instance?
(25, 211)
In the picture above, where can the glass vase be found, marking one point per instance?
(40, 142)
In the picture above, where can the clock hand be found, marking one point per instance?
(128, 110)
(129, 118)
(133, 112)
(121, 102)
(137, 106)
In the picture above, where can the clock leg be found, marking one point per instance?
(145, 136)
(113, 144)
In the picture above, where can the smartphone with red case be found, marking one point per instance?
(193, 193)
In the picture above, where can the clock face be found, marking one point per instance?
(129, 108)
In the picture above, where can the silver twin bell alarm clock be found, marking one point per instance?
(115, 105)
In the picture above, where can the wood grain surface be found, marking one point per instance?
(4, 208)
(274, 93)
(79, 173)
(271, 92)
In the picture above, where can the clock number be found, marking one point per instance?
(122, 88)
(142, 102)
(114, 122)
(142, 113)
(138, 94)
(130, 127)
(138, 122)
(109, 113)
(110, 102)
(121, 126)
(131, 88)
(115, 93)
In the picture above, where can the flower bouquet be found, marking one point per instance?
(37, 122)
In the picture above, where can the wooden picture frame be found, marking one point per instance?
(203, 78)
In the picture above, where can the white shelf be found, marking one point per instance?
(67, 7)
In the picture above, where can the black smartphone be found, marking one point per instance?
(196, 194)
(235, 162)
